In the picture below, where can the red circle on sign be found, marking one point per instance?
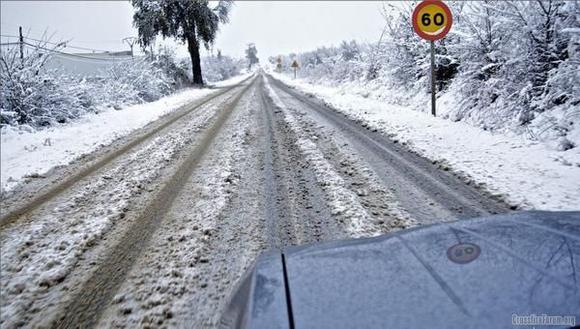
(441, 5)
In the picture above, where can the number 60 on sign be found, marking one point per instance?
(432, 20)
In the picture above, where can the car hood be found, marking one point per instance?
(487, 272)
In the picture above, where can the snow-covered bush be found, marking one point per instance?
(166, 60)
(516, 60)
(214, 67)
(504, 65)
(34, 96)
(330, 65)
(220, 67)
(129, 82)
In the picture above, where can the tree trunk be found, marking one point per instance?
(193, 48)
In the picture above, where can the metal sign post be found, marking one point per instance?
(432, 20)
(295, 66)
(21, 41)
(433, 90)
(279, 64)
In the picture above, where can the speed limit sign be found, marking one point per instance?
(432, 20)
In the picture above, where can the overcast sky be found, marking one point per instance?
(275, 27)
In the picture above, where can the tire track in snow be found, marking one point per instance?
(85, 308)
(210, 234)
(423, 190)
(44, 260)
(379, 202)
(344, 203)
(22, 208)
(296, 209)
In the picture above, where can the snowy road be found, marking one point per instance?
(424, 190)
(155, 230)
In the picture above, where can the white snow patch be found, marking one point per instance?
(530, 174)
(234, 80)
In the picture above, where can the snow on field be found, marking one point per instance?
(529, 174)
(26, 154)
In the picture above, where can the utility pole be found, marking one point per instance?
(131, 41)
(21, 41)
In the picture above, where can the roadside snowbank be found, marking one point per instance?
(25, 154)
(529, 174)
(233, 80)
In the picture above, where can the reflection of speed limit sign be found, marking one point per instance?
(463, 253)
(432, 20)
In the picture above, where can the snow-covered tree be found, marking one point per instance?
(189, 21)
(34, 96)
(221, 68)
(349, 50)
(252, 55)
(503, 64)
(403, 53)
(480, 44)
(508, 51)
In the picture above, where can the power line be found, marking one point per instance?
(56, 44)
(76, 55)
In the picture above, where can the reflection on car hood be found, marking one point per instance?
(479, 273)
